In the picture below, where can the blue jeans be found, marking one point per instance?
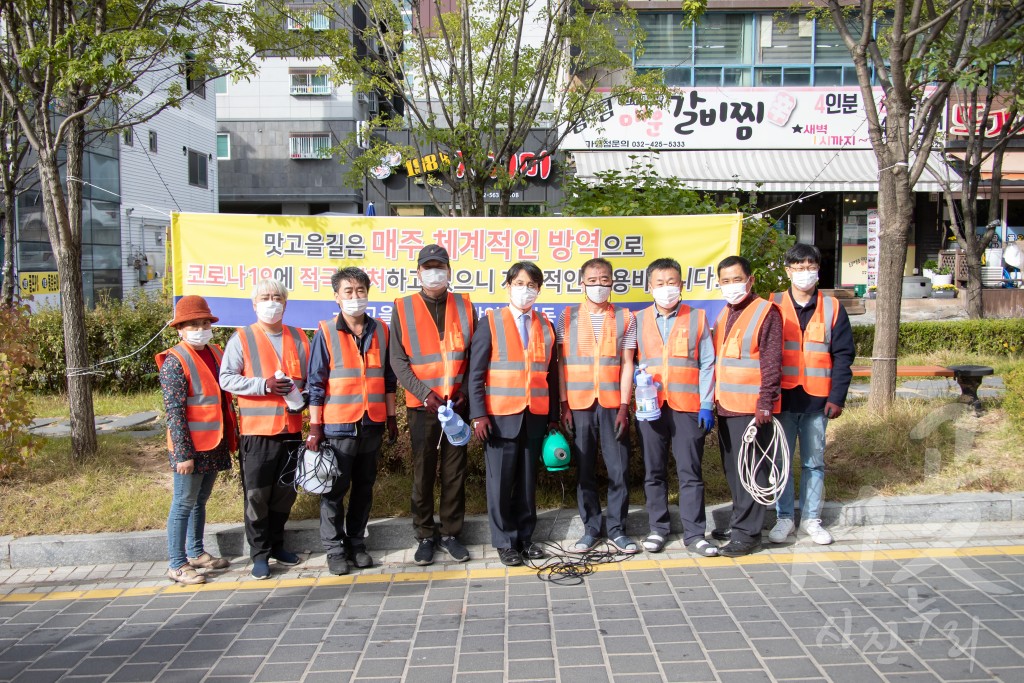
(810, 429)
(187, 518)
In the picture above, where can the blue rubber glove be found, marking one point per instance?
(705, 419)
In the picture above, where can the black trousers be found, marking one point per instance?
(512, 487)
(268, 473)
(747, 516)
(678, 432)
(427, 460)
(357, 468)
(597, 426)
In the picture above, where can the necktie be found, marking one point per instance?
(524, 329)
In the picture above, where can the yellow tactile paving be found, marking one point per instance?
(636, 565)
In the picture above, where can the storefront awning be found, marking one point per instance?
(764, 170)
(1013, 165)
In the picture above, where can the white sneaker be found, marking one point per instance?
(816, 531)
(781, 531)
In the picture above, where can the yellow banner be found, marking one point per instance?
(221, 256)
(38, 283)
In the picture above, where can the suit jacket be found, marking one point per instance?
(506, 426)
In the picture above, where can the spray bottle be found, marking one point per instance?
(454, 426)
(294, 397)
(647, 408)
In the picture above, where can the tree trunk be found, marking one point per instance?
(895, 212)
(7, 295)
(974, 301)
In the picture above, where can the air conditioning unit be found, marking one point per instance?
(373, 106)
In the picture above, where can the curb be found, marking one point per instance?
(228, 540)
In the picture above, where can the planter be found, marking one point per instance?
(946, 279)
(930, 274)
(870, 295)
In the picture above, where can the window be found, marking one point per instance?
(152, 141)
(315, 21)
(309, 83)
(723, 39)
(197, 176)
(220, 85)
(313, 146)
(785, 40)
(128, 136)
(195, 82)
(223, 146)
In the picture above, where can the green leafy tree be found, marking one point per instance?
(916, 51)
(640, 191)
(83, 68)
(468, 80)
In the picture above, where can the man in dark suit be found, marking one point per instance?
(513, 397)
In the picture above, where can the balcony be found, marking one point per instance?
(315, 22)
(309, 146)
(310, 89)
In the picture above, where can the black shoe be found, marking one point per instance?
(359, 558)
(721, 534)
(337, 565)
(424, 552)
(532, 551)
(456, 550)
(739, 548)
(284, 557)
(509, 557)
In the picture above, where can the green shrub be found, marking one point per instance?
(15, 411)
(114, 330)
(995, 336)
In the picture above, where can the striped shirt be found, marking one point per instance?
(597, 322)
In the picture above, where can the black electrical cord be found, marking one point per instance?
(567, 568)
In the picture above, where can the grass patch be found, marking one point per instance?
(921, 447)
(56, 405)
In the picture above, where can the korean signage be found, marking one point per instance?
(38, 283)
(221, 256)
(731, 118)
(529, 164)
(993, 126)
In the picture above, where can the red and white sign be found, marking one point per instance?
(993, 125)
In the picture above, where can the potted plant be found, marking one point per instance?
(943, 276)
(943, 291)
(872, 292)
(928, 269)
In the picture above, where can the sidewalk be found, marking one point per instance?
(885, 603)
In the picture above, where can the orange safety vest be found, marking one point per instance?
(439, 363)
(268, 415)
(516, 377)
(738, 359)
(597, 375)
(355, 385)
(806, 354)
(674, 365)
(203, 407)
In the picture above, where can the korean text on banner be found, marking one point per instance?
(221, 256)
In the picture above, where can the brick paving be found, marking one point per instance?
(883, 604)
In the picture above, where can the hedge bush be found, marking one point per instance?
(995, 336)
(114, 329)
(1013, 399)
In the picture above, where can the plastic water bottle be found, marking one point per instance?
(454, 426)
(647, 408)
(294, 397)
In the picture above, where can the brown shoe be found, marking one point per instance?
(186, 575)
(208, 561)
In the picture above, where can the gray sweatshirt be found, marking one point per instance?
(231, 378)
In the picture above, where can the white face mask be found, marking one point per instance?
(523, 297)
(434, 278)
(269, 312)
(598, 293)
(354, 306)
(804, 280)
(666, 297)
(735, 292)
(197, 339)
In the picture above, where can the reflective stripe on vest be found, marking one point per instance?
(807, 354)
(738, 359)
(441, 365)
(517, 378)
(675, 363)
(203, 408)
(355, 385)
(596, 376)
(268, 415)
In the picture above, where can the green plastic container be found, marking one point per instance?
(860, 290)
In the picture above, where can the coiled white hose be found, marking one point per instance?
(752, 457)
